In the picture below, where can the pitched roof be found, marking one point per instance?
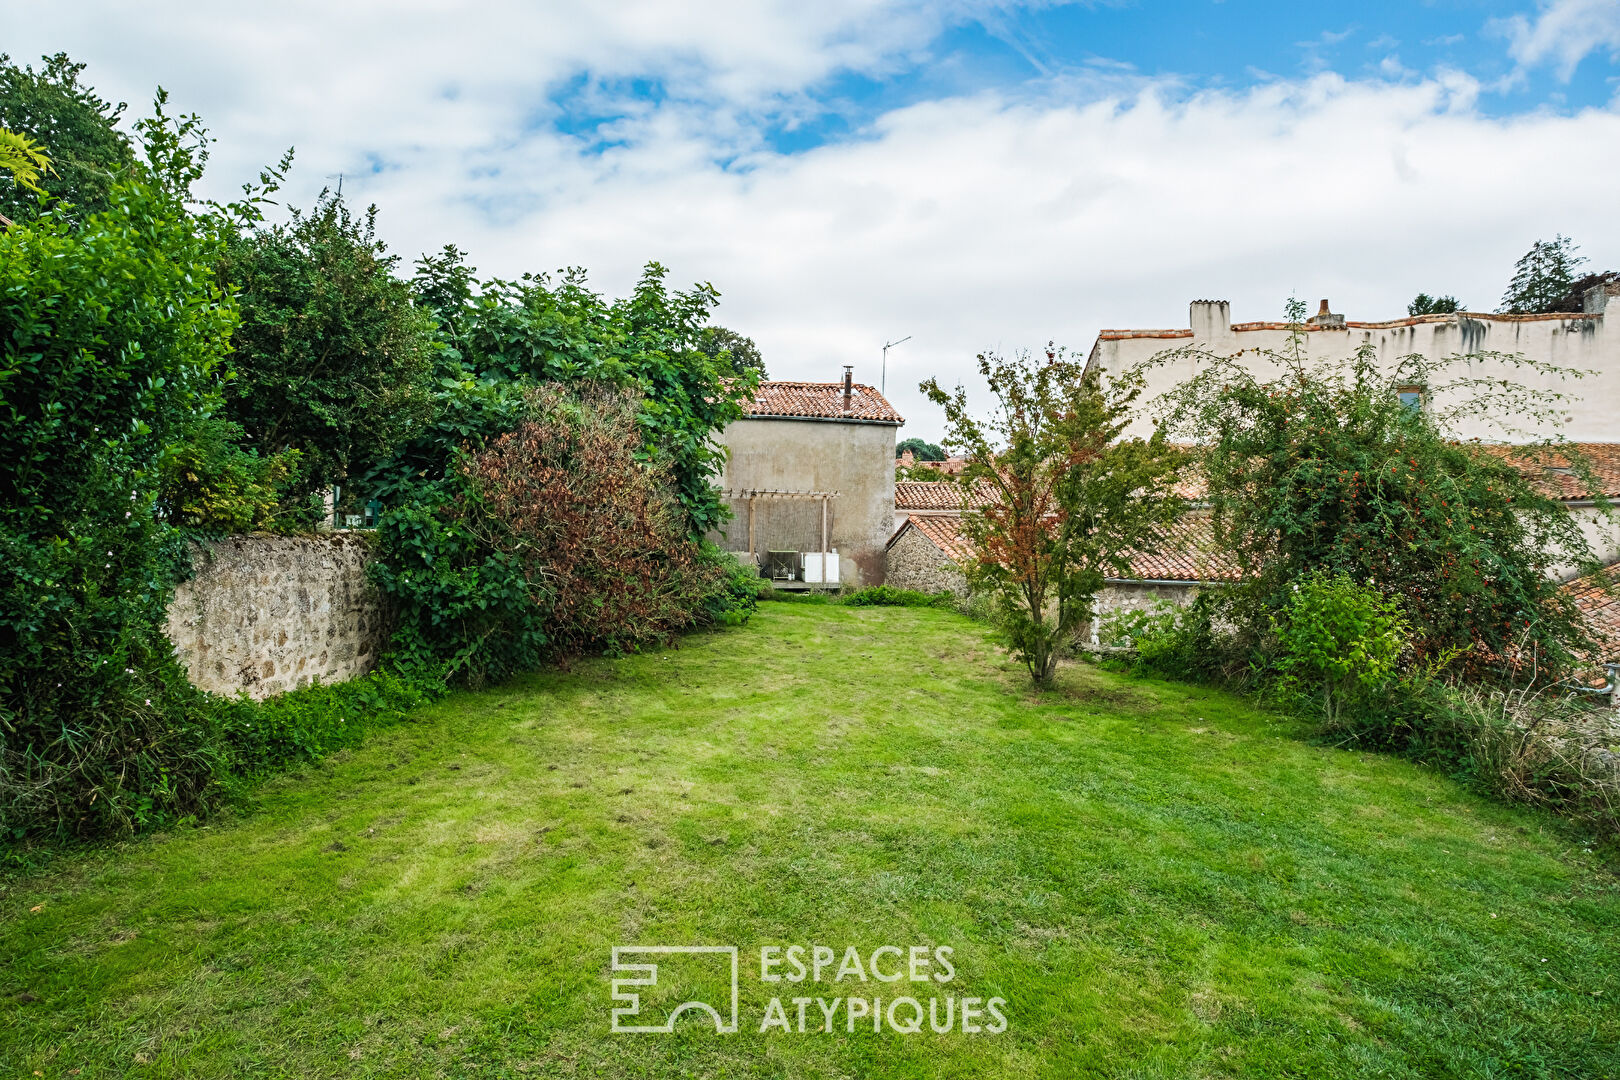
(1549, 468)
(928, 495)
(943, 531)
(1601, 606)
(821, 401)
(1185, 552)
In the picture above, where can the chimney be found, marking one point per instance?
(1598, 296)
(849, 384)
(1326, 319)
(1211, 320)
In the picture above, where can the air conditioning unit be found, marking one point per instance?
(821, 567)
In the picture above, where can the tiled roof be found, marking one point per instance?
(824, 401)
(928, 495)
(1390, 324)
(1184, 554)
(1604, 459)
(1601, 606)
(943, 531)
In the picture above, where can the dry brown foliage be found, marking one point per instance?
(573, 499)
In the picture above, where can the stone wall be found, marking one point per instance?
(265, 614)
(915, 563)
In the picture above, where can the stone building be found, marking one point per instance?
(811, 470)
(926, 552)
(1588, 341)
(928, 547)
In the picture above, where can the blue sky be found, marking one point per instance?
(979, 174)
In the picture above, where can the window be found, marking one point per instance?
(1411, 397)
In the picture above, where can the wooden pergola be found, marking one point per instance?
(750, 494)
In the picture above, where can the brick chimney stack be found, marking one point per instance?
(1325, 319)
(849, 384)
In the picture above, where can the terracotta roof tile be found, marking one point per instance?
(943, 531)
(928, 495)
(1604, 459)
(1601, 606)
(823, 401)
(1185, 552)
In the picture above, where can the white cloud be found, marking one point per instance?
(1564, 33)
(979, 221)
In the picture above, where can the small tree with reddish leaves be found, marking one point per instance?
(1068, 498)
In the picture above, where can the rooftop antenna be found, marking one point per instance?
(339, 178)
(883, 381)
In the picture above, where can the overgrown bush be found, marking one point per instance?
(558, 537)
(210, 485)
(596, 532)
(1326, 467)
(1338, 640)
(114, 337)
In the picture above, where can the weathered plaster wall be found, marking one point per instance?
(915, 563)
(1585, 341)
(855, 459)
(265, 614)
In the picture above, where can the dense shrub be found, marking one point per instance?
(601, 543)
(889, 596)
(557, 537)
(1338, 641)
(210, 485)
(114, 336)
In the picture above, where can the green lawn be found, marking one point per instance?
(1159, 881)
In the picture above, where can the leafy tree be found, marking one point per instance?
(1344, 637)
(1542, 277)
(920, 450)
(1067, 498)
(75, 128)
(332, 354)
(1424, 304)
(1575, 298)
(503, 334)
(731, 348)
(1324, 468)
(25, 160)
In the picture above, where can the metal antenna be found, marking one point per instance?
(883, 382)
(339, 178)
